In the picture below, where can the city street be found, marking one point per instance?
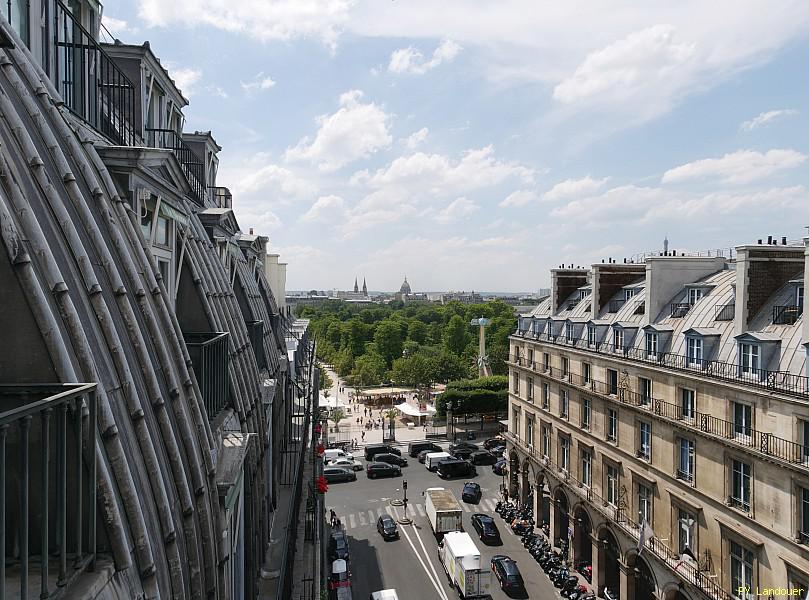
(410, 564)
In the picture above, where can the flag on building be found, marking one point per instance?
(646, 533)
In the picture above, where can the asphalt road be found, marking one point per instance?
(410, 564)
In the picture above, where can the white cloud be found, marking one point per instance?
(217, 91)
(117, 27)
(409, 60)
(355, 131)
(767, 117)
(185, 78)
(414, 139)
(519, 198)
(456, 210)
(256, 180)
(259, 82)
(570, 188)
(325, 208)
(738, 167)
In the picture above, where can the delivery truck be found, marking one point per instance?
(443, 511)
(461, 560)
(433, 458)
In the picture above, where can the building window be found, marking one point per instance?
(529, 431)
(740, 485)
(531, 357)
(516, 419)
(612, 382)
(645, 387)
(644, 440)
(585, 413)
(741, 571)
(529, 388)
(612, 425)
(803, 515)
(628, 294)
(694, 295)
(688, 404)
(569, 332)
(591, 335)
(644, 504)
(694, 350)
(546, 395)
(163, 230)
(618, 337)
(612, 485)
(517, 356)
(564, 403)
(686, 460)
(803, 427)
(565, 366)
(587, 468)
(18, 17)
(564, 454)
(749, 358)
(742, 420)
(164, 268)
(799, 298)
(688, 530)
(546, 441)
(549, 330)
(546, 361)
(651, 344)
(516, 383)
(586, 372)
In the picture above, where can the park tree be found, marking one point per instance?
(325, 381)
(369, 369)
(456, 335)
(336, 416)
(388, 339)
(418, 331)
(355, 337)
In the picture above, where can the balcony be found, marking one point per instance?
(48, 487)
(255, 329)
(685, 475)
(192, 166)
(210, 356)
(679, 309)
(93, 88)
(803, 537)
(724, 312)
(786, 315)
(739, 503)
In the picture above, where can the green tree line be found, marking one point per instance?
(411, 345)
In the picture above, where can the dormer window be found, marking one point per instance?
(694, 350)
(618, 337)
(651, 344)
(749, 358)
(583, 294)
(549, 329)
(799, 298)
(591, 335)
(569, 332)
(629, 294)
(694, 295)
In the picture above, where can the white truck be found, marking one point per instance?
(461, 561)
(432, 459)
(443, 511)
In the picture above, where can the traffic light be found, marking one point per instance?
(404, 484)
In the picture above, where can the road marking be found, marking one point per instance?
(421, 542)
(490, 505)
(466, 507)
(420, 509)
(434, 580)
(362, 519)
(371, 517)
(352, 521)
(379, 512)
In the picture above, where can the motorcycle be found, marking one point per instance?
(578, 593)
(610, 594)
(561, 577)
(570, 584)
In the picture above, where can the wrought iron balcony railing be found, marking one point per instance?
(679, 309)
(192, 166)
(90, 83)
(211, 359)
(47, 463)
(786, 315)
(724, 312)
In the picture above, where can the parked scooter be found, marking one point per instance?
(561, 577)
(578, 593)
(610, 594)
(570, 584)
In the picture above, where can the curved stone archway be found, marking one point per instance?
(542, 501)
(560, 524)
(582, 536)
(609, 563)
(525, 485)
(674, 591)
(642, 584)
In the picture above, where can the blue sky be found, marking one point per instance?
(476, 145)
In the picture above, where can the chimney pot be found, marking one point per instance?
(784, 241)
(251, 231)
(759, 242)
(769, 239)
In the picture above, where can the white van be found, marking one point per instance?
(384, 595)
(432, 458)
(335, 453)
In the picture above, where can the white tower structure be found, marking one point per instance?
(484, 369)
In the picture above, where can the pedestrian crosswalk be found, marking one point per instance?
(365, 518)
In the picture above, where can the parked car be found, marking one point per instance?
(391, 459)
(338, 545)
(493, 441)
(386, 527)
(462, 453)
(338, 474)
(416, 447)
(453, 467)
(508, 575)
(471, 492)
(340, 575)
(498, 451)
(372, 450)
(499, 468)
(459, 445)
(423, 455)
(486, 528)
(379, 469)
(482, 457)
(346, 463)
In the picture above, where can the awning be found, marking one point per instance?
(332, 403)
(412, 411)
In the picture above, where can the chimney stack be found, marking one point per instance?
(251, 231)
(784, 241)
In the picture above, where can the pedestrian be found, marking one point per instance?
(362, 433)
(333, 516)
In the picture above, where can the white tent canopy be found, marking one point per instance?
(332, 403)
(413, 411)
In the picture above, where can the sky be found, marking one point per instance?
(471, 144)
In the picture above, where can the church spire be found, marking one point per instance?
(356, 287)
(364, 287)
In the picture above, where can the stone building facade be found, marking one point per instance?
(659, 421)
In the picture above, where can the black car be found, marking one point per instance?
(471, 492)
(416, 447)
(372, 450)
(454, 467)
(386, 527)
(458, 445)
(338, 545)
(391, 459)
(494, 441)
(499, 468)
(481, 457)
(508, 575)
(379, 469)
(498, 450)
(486, 528)
(337, 474)
(462, 453)
(423, 455)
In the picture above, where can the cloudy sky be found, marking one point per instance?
(472, 144)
